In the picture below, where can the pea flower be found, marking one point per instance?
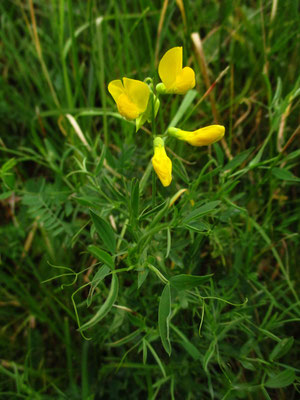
(131, 96)
(161, 162)
(175, 79)
(200, 137)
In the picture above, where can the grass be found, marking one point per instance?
(94, 298)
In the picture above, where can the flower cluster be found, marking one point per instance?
(137, 101)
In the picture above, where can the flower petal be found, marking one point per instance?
(127, 108)
(170, 66)
(204, 136)
(161, 162)
(184, 81)
(138, 92)
(116, 88)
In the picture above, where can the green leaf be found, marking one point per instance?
(219, 153)
(106, 306)
(198, 226)
(291, 156)
(145, 214)
(101, 160)
(169, 241)
(135, 197)
(200, 211)
(142, 275)
(157, 359)
(187, 282)
(283, 379)
(191, 349)
(102, 255)
(5, 195)
(125, 339)
(9, 179)
(144, 351)
(180, 170)
(187, 345)
(159, 215)
(238, 160)
(284, 175)
(104, 231)
(99, 276)
(205, 177)
(11, 163)
(208, 355)
(184, 106)
(164, 314)
(281, 348)
(278, 92)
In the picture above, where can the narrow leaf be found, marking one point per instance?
(168, 243)
(238, 160)
(135, 197)
(157, 359)
(281, 348)
(198, 226)
(145, 214)
(106, 306)
(283, 379)
(184, 106)
(208, 355)
(125, 339)
(187, 282)
(5, 195)
(104, 231)
(159, 215)
(164, 314)
(99, 276)
(101, 160)
(200, 211)
(188, 346)
(179, 169)
(12, 162)
(285, 175)
(102, 255)
(142, 275)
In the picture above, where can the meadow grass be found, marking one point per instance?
(108, 291)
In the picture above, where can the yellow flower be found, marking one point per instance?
(200, 137)
(161, 162)
(131, 96)
(175, 78)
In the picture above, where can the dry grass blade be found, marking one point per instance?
(199, 52)
(40, 54)
(78, 130)
(159, 29)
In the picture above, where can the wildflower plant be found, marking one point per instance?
(138, 101)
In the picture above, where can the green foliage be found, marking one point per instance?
(49, 205)
(186, 299)
(164, 314)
